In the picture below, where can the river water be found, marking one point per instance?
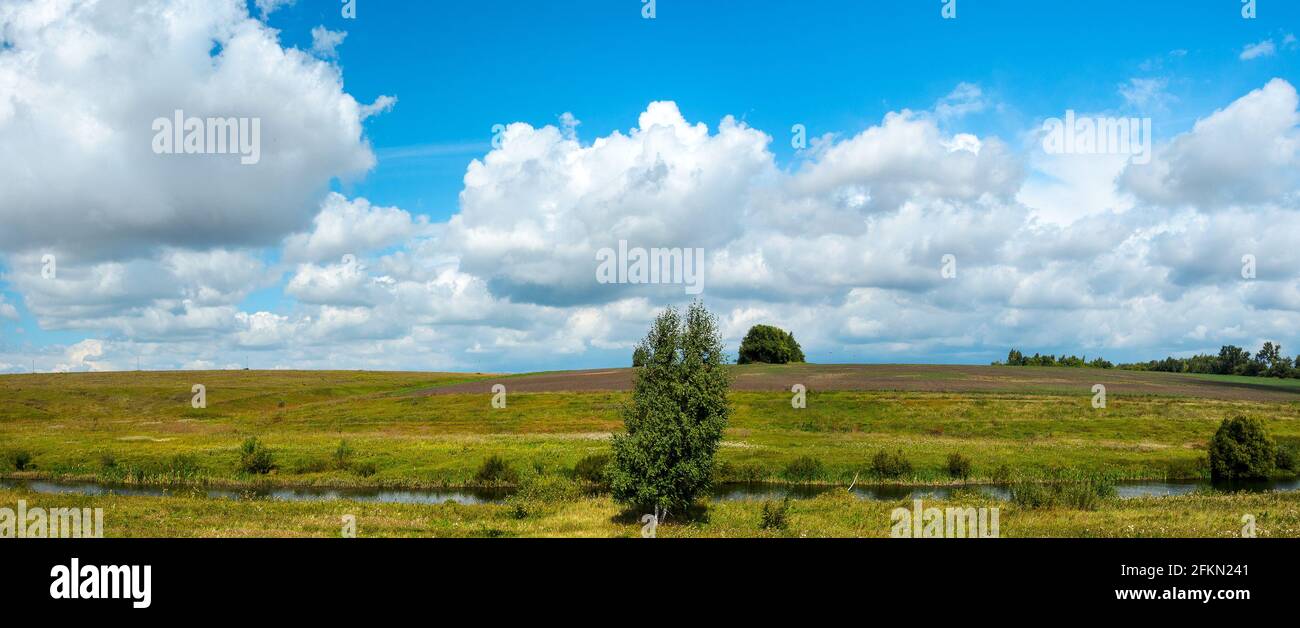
(723, 492)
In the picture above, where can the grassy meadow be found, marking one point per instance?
(140, 428)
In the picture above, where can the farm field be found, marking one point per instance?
(414, 430)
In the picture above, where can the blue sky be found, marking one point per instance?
(196, 265)
(835, 66)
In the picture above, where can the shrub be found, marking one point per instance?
(1185, 469)
(675, 419)
(255, 457)
(1028, 494)
(592, 469)
(769, 345)
(364, 469)
(727, 472)
(495, 470)
(1002, 474)
(20, 460)
(1286, 457)
(958, 466)
(886, 465)
(539, 493)
(804, 469)
(1086, 494)
(1079, 495)
(1242, 450)
(343, 455)
(775, 514)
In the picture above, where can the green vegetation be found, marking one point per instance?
(593, 469)
(68, 425)
(775, 515)
(675, 420)
(496, 471)
(1231, 360)
(1287, 458)
(20, 460)
(765, 344)
(343, 456)
(887, 466)
(563, 513)
(1016, 358)
(1242, 450)
(1083, 494)
(255, 457)
(382, 430)
(804, 469)
(958, 466)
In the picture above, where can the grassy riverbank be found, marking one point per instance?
(832, 515)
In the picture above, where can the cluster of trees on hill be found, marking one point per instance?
(1016, 358)
(1231, 360)
(769, 345)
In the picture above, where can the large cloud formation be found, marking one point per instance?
(171, 258)
(81, 84)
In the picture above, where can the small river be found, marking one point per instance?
(722, 493)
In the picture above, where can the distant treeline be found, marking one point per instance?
(1231, 360)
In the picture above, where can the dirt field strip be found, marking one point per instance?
(909, 378)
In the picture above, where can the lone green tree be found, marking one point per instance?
(769, 345)
(676, 416)
(1242, 450)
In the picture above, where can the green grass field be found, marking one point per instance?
(139, 427)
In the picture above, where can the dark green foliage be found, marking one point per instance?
(364, 469)
(255, 457)
(593, 469)
(769, 345)
(1231, 360)
(676, 416)
(958, 466)
(727, 472)
(1016, 358)
(1286, 457)
(495, 470)
(804, 469)
(20, 460)
(885, 465)
(1187, 469)
(539, 494)
(1002, 474)
(1242, 450)
(1077, 495)
(107, 461)
(775, 515)
(639, 356)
